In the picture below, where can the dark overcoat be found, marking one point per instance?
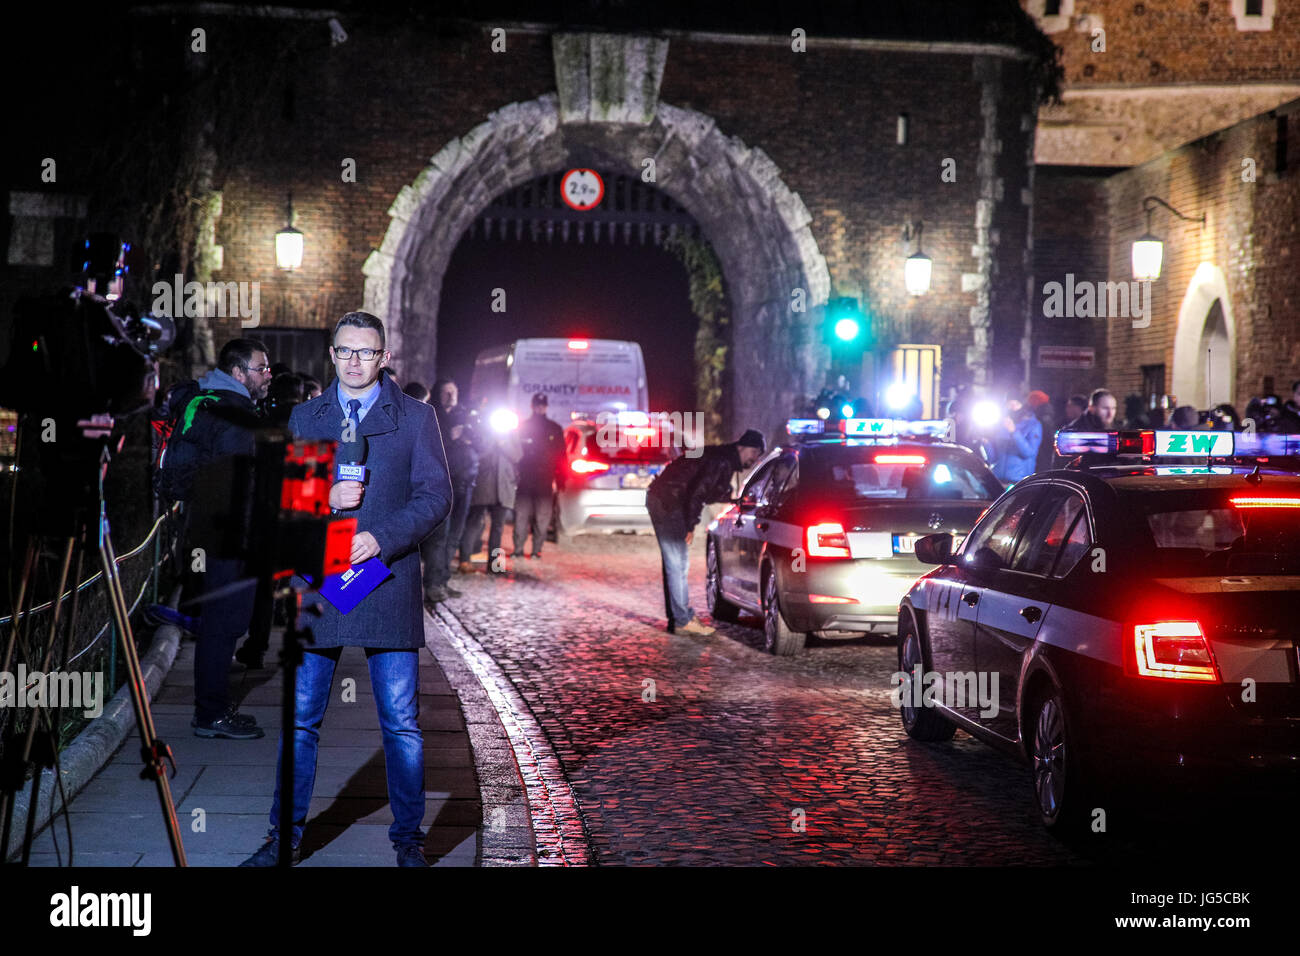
(407, 496)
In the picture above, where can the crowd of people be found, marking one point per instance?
(1022, 441)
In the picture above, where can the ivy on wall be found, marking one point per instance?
(710, 304)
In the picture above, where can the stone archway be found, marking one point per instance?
(1205, 342)
(607, 111)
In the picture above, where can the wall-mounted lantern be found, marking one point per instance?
(916, 267)
(288, 242)
(1148, 249)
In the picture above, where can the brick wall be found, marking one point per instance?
(827, 118)
(1071, 236)
(1251, 235)
(1160, 42)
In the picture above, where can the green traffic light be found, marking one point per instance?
(847, 329)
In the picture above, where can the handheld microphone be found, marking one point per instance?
(349, 463)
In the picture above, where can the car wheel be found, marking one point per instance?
(1060, 789)
(778, 638)
(920, 723)
(720, 609)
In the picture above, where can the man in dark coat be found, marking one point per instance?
(406, 495)
(543, 445)
(219, 420)
(494, 492)
(675, 499)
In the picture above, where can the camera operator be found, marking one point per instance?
(219, 420)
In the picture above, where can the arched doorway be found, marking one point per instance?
(1205, 343)
(757, 226)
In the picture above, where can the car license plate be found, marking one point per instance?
(634, 480)
(870, 544)
(905, 543)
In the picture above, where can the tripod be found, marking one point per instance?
(154, 752)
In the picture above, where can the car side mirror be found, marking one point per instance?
(986, 559)
(934, 548)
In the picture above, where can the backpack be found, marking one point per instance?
(180, 457)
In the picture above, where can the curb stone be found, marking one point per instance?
(94, 747)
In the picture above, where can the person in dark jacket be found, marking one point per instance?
(219, 420)
(539, 470)
(462, 463)
(406, 497)
(675, 499)
(1099, 415)
(494, 494)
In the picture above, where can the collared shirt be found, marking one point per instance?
(367, 400)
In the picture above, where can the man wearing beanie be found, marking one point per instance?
(675, 499)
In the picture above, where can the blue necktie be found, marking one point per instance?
(354, 412)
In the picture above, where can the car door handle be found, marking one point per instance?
(971, 598)
(1031, 614)
(760, 525)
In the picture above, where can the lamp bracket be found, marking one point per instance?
(1150, 202)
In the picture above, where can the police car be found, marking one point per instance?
(1133, 613)
(821, 537)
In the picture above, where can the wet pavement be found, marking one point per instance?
(738, 757)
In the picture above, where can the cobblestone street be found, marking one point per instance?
(738, 748)
(744, 758)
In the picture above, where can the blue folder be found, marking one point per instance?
(345, 591)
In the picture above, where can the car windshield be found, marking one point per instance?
(1218, 532)
(901, 472)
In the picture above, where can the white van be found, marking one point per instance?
(581, 378)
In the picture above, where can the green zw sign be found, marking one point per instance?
(1194, 443)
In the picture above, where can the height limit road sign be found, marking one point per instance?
(582, 189)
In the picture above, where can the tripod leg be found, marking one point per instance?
(12, 779)
(291, 655)
(153, 750)
(42, 710)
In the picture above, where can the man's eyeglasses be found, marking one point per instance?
(257, 368)
(366, 355)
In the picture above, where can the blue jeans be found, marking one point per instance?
(670, 532)
(394, 678)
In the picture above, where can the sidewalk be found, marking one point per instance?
(222, 788)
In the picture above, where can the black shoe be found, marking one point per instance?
(269, 854)
(411, 855)
(251, 658)
(235, 717)
(231, 727)
(435, 595)
(452, 592)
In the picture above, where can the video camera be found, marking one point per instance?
(272, 509)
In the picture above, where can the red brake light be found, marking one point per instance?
(1174, 650)
(899, 459)
(830, 599)
(828, 541)
(1259, 501)
(578, 345)
(584, 466)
